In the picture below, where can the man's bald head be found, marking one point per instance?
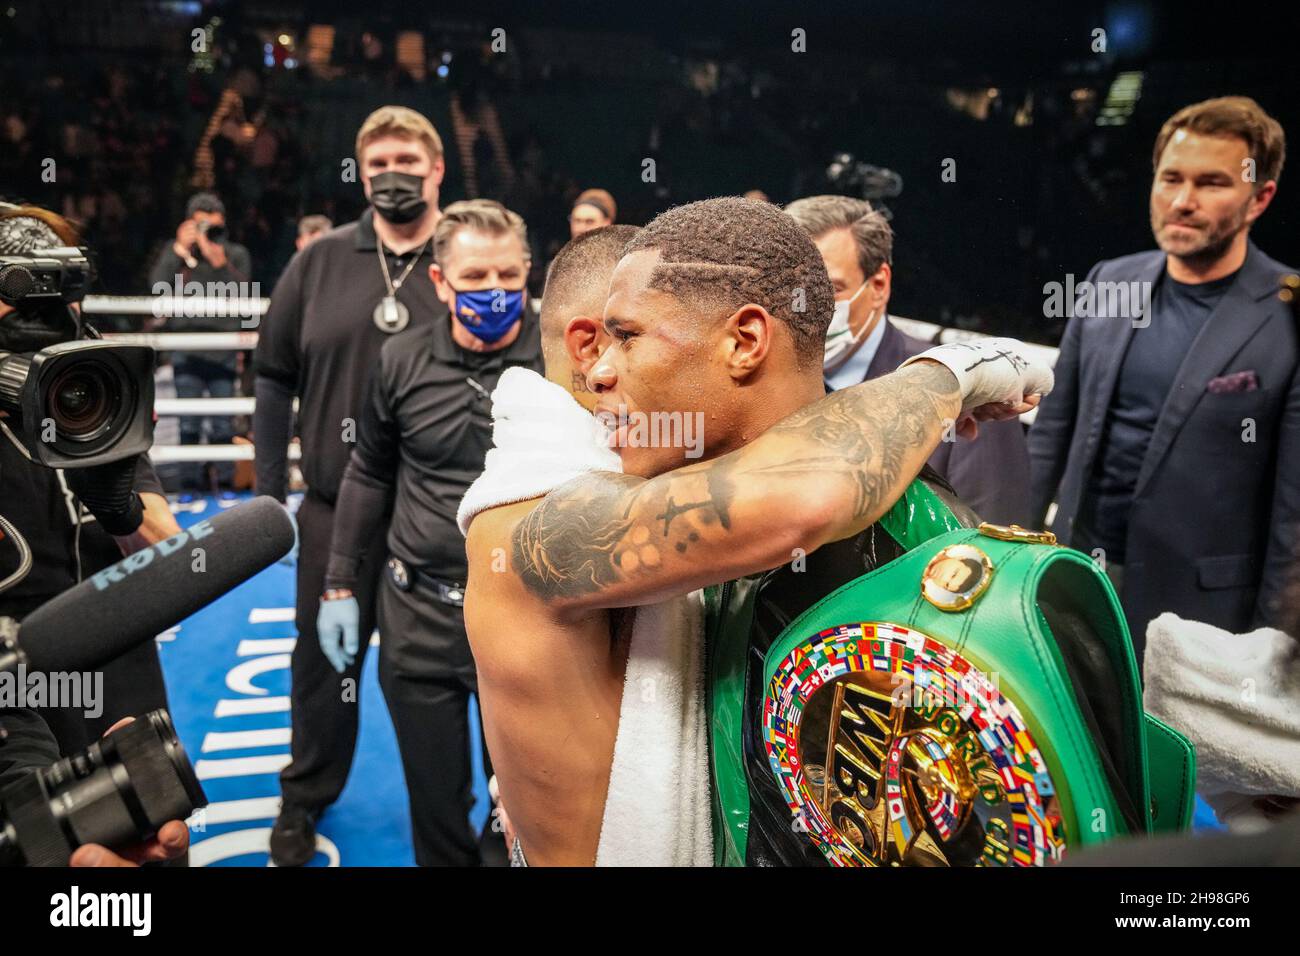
(577, 283)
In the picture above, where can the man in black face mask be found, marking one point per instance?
(337, 302)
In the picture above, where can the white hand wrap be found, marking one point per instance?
(990, 371)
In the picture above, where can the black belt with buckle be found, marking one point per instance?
(405, 578)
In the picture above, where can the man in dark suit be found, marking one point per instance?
(990, 474)
(1172, 441)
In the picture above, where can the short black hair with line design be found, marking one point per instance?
(731, 251)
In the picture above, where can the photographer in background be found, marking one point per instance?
(77, 520)
(202, 253)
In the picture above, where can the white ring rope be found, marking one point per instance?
(162, 306)
(248, 311)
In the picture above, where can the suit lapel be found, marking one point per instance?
(889, 354)
(1234, 321)
(1117, 348)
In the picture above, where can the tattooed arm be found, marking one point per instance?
(821, 474)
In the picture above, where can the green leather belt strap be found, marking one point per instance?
(727, 643)
(1171, 766)
(918, 516)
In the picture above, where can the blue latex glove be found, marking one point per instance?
(291, 559)
(338, 626)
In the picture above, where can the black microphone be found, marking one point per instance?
(153, 589)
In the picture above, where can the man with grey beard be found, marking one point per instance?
(1172, 442)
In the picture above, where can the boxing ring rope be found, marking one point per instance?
(249, 311)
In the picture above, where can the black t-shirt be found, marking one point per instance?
(319, 338)
(40, 505)
(1178, 313)
(424, 434)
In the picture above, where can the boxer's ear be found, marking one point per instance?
(584, 340)
(747, 340)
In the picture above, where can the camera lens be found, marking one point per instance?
(95, 397)
(83, 400)
(76, 397)
(117, 791)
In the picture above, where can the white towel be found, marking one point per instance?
(541, 438)
(1237, 696)
(658, 811)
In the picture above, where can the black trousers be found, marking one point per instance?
(324, 710)
(427, 675)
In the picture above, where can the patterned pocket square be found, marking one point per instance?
(1236, 382)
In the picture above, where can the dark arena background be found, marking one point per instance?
(1009, 148)
(1053, 141)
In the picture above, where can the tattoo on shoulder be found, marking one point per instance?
(604, 528)
(565, 545)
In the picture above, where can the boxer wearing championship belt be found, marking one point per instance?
(721, 306)
(972, 702)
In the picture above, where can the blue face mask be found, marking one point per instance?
(489, 313)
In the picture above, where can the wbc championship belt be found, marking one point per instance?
(974, 702)
(893, 748)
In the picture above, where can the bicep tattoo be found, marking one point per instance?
(602, 529)
(867, 434)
